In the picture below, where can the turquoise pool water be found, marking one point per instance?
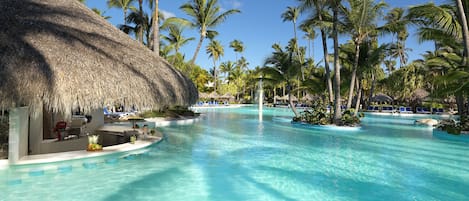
(231, 155)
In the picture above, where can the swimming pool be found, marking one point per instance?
(231, 155)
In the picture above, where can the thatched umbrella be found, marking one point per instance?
(213, 95)
(419, 95)
(60, 54)
(203, 95)
(227, 96)
(381, 98)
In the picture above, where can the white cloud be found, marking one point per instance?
(230, 4)
(167, 14)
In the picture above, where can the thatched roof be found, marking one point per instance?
(61, 54)
(381, 98)
(419, 95)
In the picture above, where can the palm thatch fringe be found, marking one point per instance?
(60, 54)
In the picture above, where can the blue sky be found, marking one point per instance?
(258, 26)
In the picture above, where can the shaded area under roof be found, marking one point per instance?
(61, 54)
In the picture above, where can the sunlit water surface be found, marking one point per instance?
(231, 155)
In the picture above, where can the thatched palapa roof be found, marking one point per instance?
(61, 54)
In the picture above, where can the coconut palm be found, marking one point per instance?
(101, 13)
(122, 4)
(320, 18)
(156, 27)
(310, 35)
(238, 47)
(335, 4)
(206, 14)
(396, 25)
(175, 38)
(215, 51)
(438, 23)
(282, 66)
(136, 24)
(361, 19)
(227, 67)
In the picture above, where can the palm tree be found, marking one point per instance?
(292, 14)
(205, 14)
(156, 26)
(396, 25)
(215, 51)
(361, 20)
(310, 35)
(438, 23)
(282, 66)
(101, 13)
(228, 67)
(237, 46)
(318, 18)
(122, 4)
(335, 4)
(175, 38)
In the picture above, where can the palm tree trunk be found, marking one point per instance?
(125, 16)
(373, 82)
(460, 104)
(156, 30)
(140, 34)
(465, 31)
(326, 54)
(337, 101)
(354, 75)
(359, 96)
(292, 106)
(199, 45)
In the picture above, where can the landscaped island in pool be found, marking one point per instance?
(230, 155)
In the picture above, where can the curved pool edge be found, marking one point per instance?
(83, 154)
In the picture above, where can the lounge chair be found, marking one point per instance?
(387, 109)
(403, 109)
(422, 110)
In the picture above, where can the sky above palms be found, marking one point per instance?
(258, 26)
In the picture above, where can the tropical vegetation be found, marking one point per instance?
(351, 72)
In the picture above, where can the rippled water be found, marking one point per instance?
(231, 155)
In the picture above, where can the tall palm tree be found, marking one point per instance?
(206, 14)
(215, 51)
(122, 4)
(361, 20)
(438, 23)
(280, 67)
(335, 4)
(292, 14)
(396, 24)
(228, 67)
(156, 26)
(310, 35)
(238, 47)
(175, 38)
(321, 18)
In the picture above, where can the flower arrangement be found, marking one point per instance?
(93, 143)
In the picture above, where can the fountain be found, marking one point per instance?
(261, 97)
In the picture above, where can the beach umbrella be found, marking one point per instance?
(60, 55)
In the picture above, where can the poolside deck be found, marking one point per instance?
(72, 155)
